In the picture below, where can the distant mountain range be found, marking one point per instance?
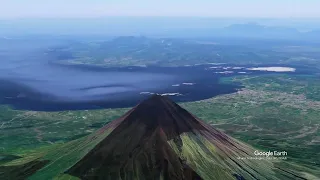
(163, 27)
(250, 30)
(158, 140)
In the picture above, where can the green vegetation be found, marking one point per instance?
(270, 116)
(272, 112)
(24, 130)
(141, 51)
(308, 86)
(138, 149)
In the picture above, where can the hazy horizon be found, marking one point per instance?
(187, 8)
(125, 25)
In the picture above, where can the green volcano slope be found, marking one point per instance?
(155, 140)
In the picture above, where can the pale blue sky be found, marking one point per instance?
(208, 8)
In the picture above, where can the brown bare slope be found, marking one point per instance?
(155, 140)
(138, 147)
(160, 140)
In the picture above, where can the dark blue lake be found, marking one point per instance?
(44, 86)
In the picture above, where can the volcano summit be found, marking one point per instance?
(157, 139)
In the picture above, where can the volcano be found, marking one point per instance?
(158, 140)
(138, 147)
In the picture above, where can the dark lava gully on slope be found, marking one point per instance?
(157, 139)
(138, 148)
(140, 140)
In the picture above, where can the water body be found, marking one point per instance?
(30, 81)
(49, 87)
